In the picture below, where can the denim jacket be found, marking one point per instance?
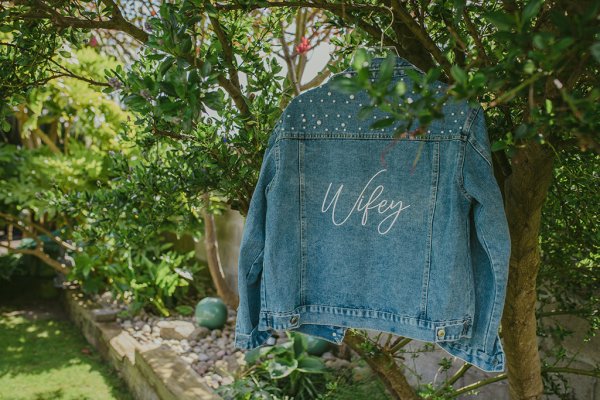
(344, 232)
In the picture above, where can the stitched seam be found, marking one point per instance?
(493, 313)
(304, 308)
(468, 234)
(461, 181)
(366, 136)
(479, 149)
(253, 263)
(275, 149)
(302, 222)
(263, 290)
(433, 199)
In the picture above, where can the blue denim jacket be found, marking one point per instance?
(343, 232)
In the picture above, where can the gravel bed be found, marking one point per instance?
(211, 353)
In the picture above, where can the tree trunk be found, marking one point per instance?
(525, 191)
(224, 291)
(385, 366)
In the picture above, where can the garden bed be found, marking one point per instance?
(152, 371)
(170, 357)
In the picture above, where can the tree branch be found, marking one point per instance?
(383, 364)
(44, 11)
(227, 52)
(14, 220)
(338, 7)
(421, 35)
(37, 252)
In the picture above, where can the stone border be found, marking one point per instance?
(152, 372)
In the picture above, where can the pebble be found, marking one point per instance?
(211, 353)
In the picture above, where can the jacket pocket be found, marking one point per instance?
(255, 269)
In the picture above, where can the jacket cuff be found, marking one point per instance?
(250, 341)
(488, 362)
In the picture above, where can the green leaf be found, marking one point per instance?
(400, 88)
(360, 58)
(311, 364)
(299, 344)
(529, 67)
(255, 354)
(595, 50)
(281, 367)
(65, 54)
(531, 10)
(344, 84)
(458, 7)
(185, 310)
(498, 145)
(459, 75)
(502, 20)
(382, 123)
(387, 68)
(166, 65)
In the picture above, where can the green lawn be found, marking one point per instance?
(44, 359)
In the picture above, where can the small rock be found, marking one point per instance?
(337, 363)
(202, 369)
(176, 329)
(187, 359)
(199, 333)
(361, 372)
(203, 357)
(227, 380)
(104, 314)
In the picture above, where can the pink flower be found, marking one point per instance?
(303, 47)
(93, 41)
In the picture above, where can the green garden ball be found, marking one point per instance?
(211, 312)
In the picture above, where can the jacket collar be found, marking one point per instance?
(400, 62)
(376, 62)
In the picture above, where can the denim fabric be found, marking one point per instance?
(343, 232)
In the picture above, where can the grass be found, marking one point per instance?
(49, 359)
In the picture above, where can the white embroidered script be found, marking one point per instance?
(390, 208)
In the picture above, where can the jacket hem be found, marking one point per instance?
(331, 323)
(335, 319)
(482, 360)
(256, 338)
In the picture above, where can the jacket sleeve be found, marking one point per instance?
(250, 261)
(489, 249)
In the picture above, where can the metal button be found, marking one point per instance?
(294, 319)
(441, 333)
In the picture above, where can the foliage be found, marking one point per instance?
(292, 370)
(73, 184)
(529, 58)
(570, 275)
(532, 64)
(177, 96)
(403, 110)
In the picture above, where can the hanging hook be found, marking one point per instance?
(383, 31)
